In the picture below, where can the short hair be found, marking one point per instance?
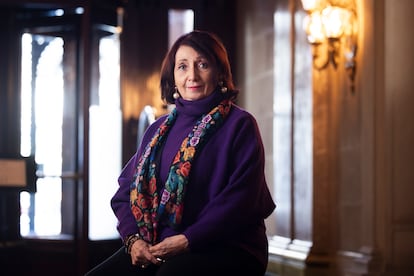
(205, 43)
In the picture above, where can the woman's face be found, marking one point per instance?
(195, 77)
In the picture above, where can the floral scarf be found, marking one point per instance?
(146, 205)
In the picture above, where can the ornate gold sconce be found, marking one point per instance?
(331, 28)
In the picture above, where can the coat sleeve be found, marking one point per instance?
(245, 200)
(120, 201)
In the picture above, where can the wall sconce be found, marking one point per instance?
(331, 26)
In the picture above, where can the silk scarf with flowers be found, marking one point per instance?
(147, 206)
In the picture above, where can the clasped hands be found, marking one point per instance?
(143, 253)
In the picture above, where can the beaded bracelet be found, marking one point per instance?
(129, 241)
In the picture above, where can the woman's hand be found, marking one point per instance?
(141, 255)
(169, 247)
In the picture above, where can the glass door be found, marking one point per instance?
(42, 101)
(53, 123)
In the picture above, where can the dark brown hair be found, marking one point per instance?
(205, 43)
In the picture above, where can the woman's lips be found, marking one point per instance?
(194, 87)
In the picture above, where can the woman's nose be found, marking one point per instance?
(193, 73)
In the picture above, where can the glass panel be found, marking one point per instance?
(26, 94)
(180, 22)
(282, 123)
(42, 103)
(105, 142)
(302, 135)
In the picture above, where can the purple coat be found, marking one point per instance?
(227, 197)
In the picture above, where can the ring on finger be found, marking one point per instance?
(160, 260)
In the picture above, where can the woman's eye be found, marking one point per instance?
(181, 67)
(203, 65)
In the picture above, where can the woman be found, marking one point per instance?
(193, 199)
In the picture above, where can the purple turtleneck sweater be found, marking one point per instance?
(227, 197)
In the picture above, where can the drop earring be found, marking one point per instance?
(176, 95)
(223, 89)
